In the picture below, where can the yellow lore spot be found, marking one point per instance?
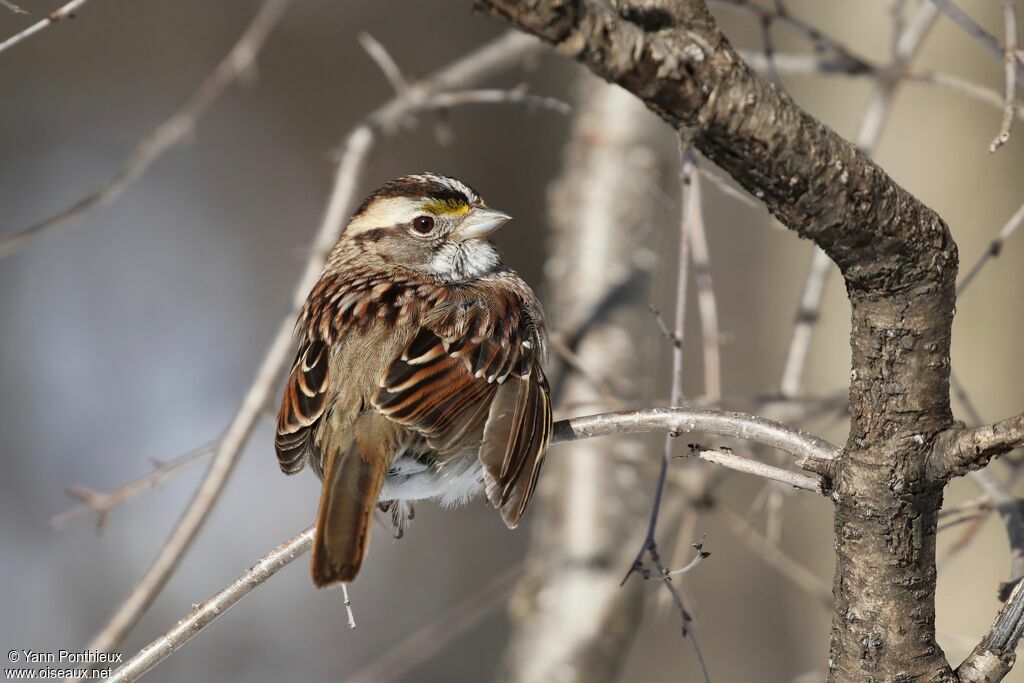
(446, 206)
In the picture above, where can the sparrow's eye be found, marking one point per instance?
(423, 224)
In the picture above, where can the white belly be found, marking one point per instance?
(453, 483)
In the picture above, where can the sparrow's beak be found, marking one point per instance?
(479, 223)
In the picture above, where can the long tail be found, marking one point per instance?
(352, 482)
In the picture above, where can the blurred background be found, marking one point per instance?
(132, 334)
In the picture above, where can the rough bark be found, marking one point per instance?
(899, 263)
(571, 620)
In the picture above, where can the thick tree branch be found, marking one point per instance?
(899, 262)
(992, 659)
(676, 59)
(958, 451)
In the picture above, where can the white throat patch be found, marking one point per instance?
(460, 261)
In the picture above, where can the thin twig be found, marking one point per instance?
(11, 6)
(821, 41)
(797, 574)
(993, 249)
(817, 65)
(1000, 498)
(728, 189)
(203, 615)
(169, 133)
(677, 336)
(385, 62)
(1010, 74)
(559, 346)
(759, 469)
(422, 644)
(65, 12)
(699, 557)
(649, 547)
(963, 87)
(979, 34)
(100, 503)
(493, 57)
(682, 275)
(707, 304)
(517, 95)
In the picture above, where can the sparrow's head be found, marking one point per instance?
(429, 223)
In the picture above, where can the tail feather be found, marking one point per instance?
(351, 488)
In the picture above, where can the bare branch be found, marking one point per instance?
(678, 334)
(385, 62)
(1010, 69)
(759, 469)
(706, 301)
(501, 53)
(812, 452)
(979, 34)
(398, 659)
(992, 659)
(100, 503)
(817, 65)
(699, 557)
(895, 253)
(963, 87)
(823, 42)
(993, 249)
(999, 497)
(517, 95)
(65, 12)
(11, 6)
(796, 573)
(172, 131)
(203, 615)
(958, 451)
(649, 547)
(558, 345)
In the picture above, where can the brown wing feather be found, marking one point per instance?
(432, 391)
(472, 366)
(302, 406)
(516, 437)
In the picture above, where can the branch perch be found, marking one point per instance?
(958, 451)
(737, 425)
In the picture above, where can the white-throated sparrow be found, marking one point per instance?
(418, 373)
